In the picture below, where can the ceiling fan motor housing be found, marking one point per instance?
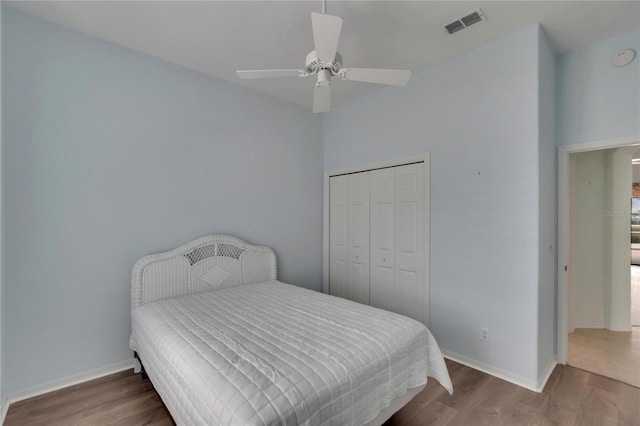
(314, 65)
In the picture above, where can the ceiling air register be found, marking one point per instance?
(464, 23)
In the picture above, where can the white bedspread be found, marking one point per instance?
(275, 354)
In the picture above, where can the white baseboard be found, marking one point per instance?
(5, 408)
(516, 379)
(625, 327)
(613, 327)
(597, 324)
(546, 373)
(64, 382)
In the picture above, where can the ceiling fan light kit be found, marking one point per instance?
(325, 62)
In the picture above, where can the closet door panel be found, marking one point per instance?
(382, 295)
(407, 224)
(409, 294)
(383, 240)
(359, 236)
(378, 246)
(385, 224)
(339, 236)
(410, 241)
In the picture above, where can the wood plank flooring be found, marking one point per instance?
(571, 397)
(614, 354)
(118, 399)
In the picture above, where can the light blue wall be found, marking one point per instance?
(110, 155)
(596, 101)
(547, 208)
(478, 116)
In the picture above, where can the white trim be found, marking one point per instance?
(563, 230)
(562, 316)
(621, 327)
(5, 409)
(602, 325)
(64, 382)
(427, 239)
(325, 234)
(602, 144)
(546, 373)
(516, 379)
(595, 324)
(417, 158)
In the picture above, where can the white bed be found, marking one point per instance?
(224, 343)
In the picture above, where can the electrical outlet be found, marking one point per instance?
(484, 334)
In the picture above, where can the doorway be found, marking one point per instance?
(594, 280)
(635, 240)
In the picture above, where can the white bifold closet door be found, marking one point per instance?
(377, 246)
(349, 237)
(398, 245)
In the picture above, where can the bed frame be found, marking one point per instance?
(210, 263)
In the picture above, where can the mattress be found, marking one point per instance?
(275, 354)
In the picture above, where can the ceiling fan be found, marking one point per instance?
(325, 62)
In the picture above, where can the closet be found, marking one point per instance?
(378, 238)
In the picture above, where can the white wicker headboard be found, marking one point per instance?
(208, 263)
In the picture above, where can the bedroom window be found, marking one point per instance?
(635, 211)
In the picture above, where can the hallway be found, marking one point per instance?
(612, 354)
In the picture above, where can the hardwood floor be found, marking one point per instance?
(571, 397)
(119, 399)
(614, 354)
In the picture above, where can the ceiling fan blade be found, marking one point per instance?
(376, 75)
(255, 74)
(326, 33)
(322, 98)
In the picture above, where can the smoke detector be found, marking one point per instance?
(465, 22)
(623, 57)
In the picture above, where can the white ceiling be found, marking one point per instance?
(218, 37)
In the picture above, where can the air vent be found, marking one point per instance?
(454, 27)
(462, 23)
